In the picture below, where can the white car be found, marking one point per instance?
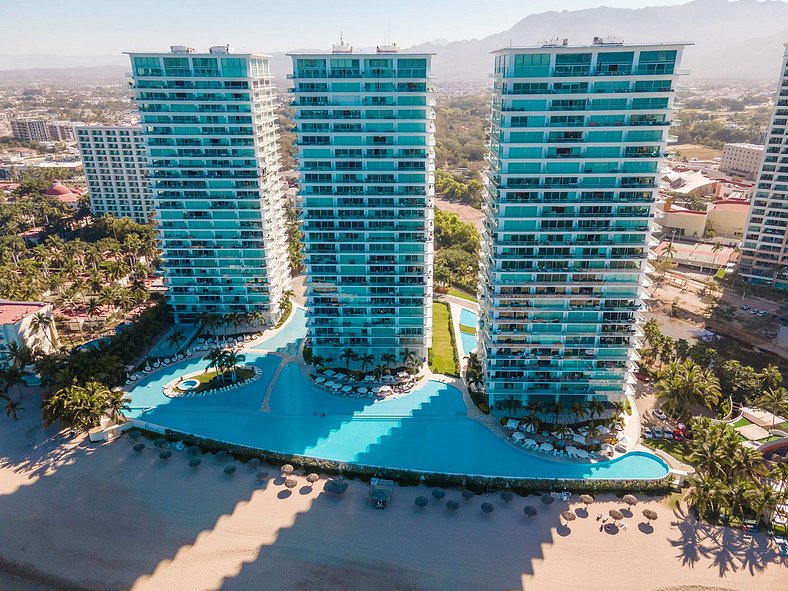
(647, 433)
(659, 414)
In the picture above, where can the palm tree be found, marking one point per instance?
(233, 358)
(388, 359)
(555, 408)
(379, 371)
(12, 408)
(771, 376)
(40, 322)
(409, 357)
(737, 496)
(705, 493)
(680, 385)
(715, 249)
(213, 358)
(669, 250)
(512, 404)
(318, 361)
(764, 501)
(19, 356)
(775, 400)
(348, 355)
(534, 406)
(578, 409)
(367, 359)
(532, 421)
(596, 407)
(175, 338)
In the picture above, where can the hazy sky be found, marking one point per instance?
(106, 27)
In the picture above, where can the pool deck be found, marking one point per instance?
(400, 432)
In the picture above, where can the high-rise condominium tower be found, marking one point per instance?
(116, 170)
(576, 140)
(764, 258)
(208, 123)
(366, 152)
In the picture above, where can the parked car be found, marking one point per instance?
(760, 312)
(668, 434)
(678, 435)
(682, 427)
(744, 307)
(785, 322)
(643, 378)
(647, 434)
(658, 433)
(659, 414)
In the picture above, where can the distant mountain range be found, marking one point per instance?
(741, 40)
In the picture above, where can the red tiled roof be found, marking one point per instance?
(13, 312)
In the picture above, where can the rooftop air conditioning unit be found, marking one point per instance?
(223, 49)
(181, 49)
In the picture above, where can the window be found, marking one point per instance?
(531, 65)
(233, 67)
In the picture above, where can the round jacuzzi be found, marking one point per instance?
(189, 385)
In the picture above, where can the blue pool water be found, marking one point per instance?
(427, 430)
(288, 339)
(467, 341)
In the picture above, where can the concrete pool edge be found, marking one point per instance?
(353, 469)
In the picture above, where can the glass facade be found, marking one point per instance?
(764, 259)
(576, 140)
(365, 128)
(209, 129)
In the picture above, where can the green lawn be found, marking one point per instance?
(741, 423)
(467, 329)
(443, 354)
(453, 291)
(206, 378)
(678, 450)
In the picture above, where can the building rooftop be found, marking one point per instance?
(744, 145)
(564, 44)
(13, 312)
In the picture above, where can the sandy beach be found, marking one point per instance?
(81, 517)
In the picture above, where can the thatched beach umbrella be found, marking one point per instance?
(194, 451)
(452, 505)
(221, 456)
(134, 434)
(630, 500)
(194, 462)
(650, 515)
(507, 496)
(139, 447)
(467, 495)
(291, 483)
(287, 469)
(160, 442)
(487, 508)
(438, 494)
(568, 516)
(616, 514)
(254, 463)
(586, 500)
(422, 502)
(529, 511)
(229, 470)
(547, 499)
(312, 478)
(165, 455)
(261, 475)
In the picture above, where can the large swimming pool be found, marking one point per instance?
(468, 341)
(427, 430)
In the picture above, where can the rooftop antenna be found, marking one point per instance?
(341, 37)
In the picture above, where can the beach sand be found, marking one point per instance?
(75, 516)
